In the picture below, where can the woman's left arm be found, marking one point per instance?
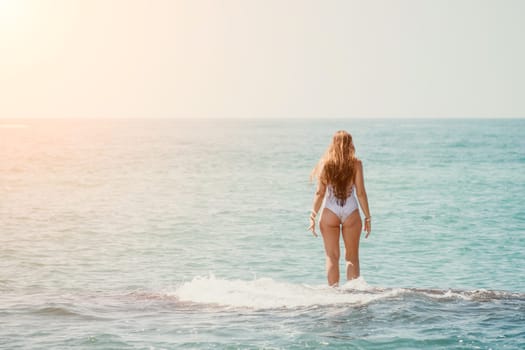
(316, 205)
(362, 197)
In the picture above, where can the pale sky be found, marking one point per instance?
(267, 58)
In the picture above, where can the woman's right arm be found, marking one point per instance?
(362, 197)
(316, 205)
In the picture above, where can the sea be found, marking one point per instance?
(192, 234)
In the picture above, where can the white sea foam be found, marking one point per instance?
(265, 293)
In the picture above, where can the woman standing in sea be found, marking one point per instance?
(339, 176)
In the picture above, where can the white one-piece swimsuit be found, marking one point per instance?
(331, 202)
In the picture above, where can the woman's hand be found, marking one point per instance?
(312, 226)
(367, 226)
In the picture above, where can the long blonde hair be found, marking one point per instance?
(337, 166)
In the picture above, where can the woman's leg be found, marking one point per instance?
(351, 234)
(330, 226)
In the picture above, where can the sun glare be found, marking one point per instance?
(11, 12)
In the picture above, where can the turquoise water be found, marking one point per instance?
(162, 234)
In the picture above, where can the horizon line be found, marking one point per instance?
(267, 117)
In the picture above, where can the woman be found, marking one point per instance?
(339, 176)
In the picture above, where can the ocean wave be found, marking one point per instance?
(55, 311)
(266, 293)
(62, 310)
(472, 295)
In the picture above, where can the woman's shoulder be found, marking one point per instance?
(358, 165)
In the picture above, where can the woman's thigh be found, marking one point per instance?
(352, 233)
(330, 226)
